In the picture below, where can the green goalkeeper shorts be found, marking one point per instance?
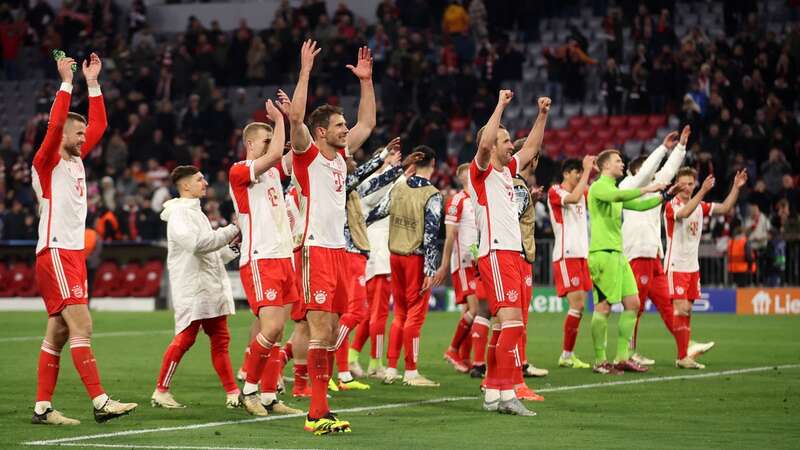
(612, 276)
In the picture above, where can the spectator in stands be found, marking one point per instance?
(773, 170)
(741, 259)
(612, 87)
(16, 226)
(479, 21)
(757, 226)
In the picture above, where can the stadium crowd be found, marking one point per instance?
(438, 65)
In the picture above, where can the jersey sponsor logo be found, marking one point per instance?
(575, 281)
(271, 294)
(320, 297)
(694, 227)
(512, 295)
(644, 279)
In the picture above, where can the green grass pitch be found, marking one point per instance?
(755, 409)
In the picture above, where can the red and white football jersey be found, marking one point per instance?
(683, 236)
(320, 184)
(495, 204)
(461, 213)
(569, 225)
(261, 212)
(60, 184)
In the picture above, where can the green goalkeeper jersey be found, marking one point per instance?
(606, 202)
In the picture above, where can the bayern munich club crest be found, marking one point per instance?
(77, 291)
(644, 279)
(272, 294)
(320, 297)
(512, 295)
(472, 284)
(575, 281)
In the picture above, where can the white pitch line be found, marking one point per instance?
(406, 405)
(165, 447)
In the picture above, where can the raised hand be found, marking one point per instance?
(505, 98)
(537, 192)
(588, 163)
(91, 67)
(740, 179)
(394, 145)
(708, 184)
(65, 69)
(393, 158)
(687, 130)
(273, 112)
(363, 68)
(411, 159)
(670, 140)
(284, 102)
(544, 105)
(307, 54)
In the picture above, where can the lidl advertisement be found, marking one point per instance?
(768, 301)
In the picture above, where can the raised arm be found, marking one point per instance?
(97, 107)
(580, 188)
(489, 136)
(430, 251)
(533, 143)
(675, 160)
(730, 201)
(687, 209)
(300, 136)
(382, 210)
(610, 193)
(642, 204)
(650, 165)
(48, 153)
(366, 107)
(365, 170)
(275, 149)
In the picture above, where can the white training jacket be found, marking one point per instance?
(641, 230)
(378, 231)
(196, 261)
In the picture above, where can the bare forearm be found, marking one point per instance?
(580, 189)
(690, 206)
(730, 201)
(450, 236)
(534, 141)
(366, 106)
(489, 136)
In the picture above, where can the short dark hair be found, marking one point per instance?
(604, 156)
(636, 164)
(321, 117)
(686, 171)
(181, 172)
(518, 144)
(76, 117)
(571, 164)
(428, 155)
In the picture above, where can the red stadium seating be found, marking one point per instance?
(150, 280)
(22, 280)
(604, 136)
(622, 135)
(106, 277)
(578, 122)
(5, 281)
(130, 275)
(657, 120)
(584, 134)
(644, 134)
(637, 121)
(617, 121)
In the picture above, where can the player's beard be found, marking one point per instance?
(73, 150)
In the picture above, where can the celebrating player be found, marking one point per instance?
(501, 270)
(265, 266)
(611, 273)
(414, 208)
(319, 172)
(684, 217)
(641, 232)
(461, 233)
(567, 204)
(201, 291)
(59, 181)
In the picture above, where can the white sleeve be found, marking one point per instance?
(646, 172)
(670, 168)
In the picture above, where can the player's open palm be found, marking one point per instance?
(273, 112)
(708, 183)
(308, 52)
(740, 179)
(670, 140)
(363, 68)
(284, 102)
(685, 133)
(92, 67)
(64, 66)
(411, 159)
(588, 163)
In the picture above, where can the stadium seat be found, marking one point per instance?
(623, 134)
(578, 122)
(106, 277)
(584, 134)
(5, 281)
(657, 120)
(644, 134)
(637, 121)
(150, 280)
(617, 121)
(593, 147)
(604, 135)
(565, 135)
(130, 275)
(22, 279)
(598, 122)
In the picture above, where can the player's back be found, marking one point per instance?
(261, 213)
(641, 231)
(569, 224)
(321, 187)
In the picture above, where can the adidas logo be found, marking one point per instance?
(55, 239)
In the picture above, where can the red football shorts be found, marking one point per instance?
(465, 283)
(570, 275)
(298, 307)
(358, 275)
(61, 275)
(326, 284)
(527, 281)
(268, 282)
(684, 285)
(502, 279)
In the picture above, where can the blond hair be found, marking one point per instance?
(253, 127)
